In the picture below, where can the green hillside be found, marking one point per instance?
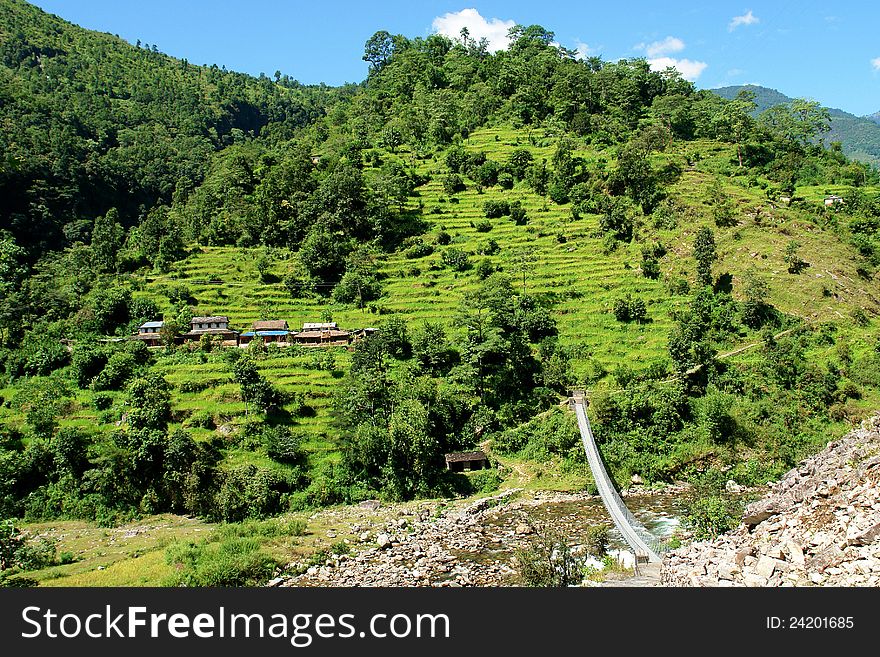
(515, 225)
(859, 136)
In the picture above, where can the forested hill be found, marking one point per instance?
(513, 224)
(91, 122)
(859, 136)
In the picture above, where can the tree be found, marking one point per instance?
(704, 254)
(12, 274)
(792, 258)
(360, 283)
(323, 254)
(378, 50)
(799, 122)
(756, 291)
(524, 260)
(735, 119)
(519, 162)
(723, 210)
(107, 238)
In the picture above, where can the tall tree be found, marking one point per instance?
(705, 255)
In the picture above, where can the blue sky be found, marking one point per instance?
(805, 48)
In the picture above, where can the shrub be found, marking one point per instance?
(282, 445)
(248, 492)
(453, 184)
(596, 540)
(483, 226)
(116, 372)
(443, 238)
(711, 515)
(518, 213)
(630, 309)
(202, 419)
(485, 481)
(547, 562)
(456, 259)
(102, 401)
(418, 249)
(231, 562)
(505, 180)
(496, 209)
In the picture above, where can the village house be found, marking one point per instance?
(322, 334)
(833, 199)
(216, 326)
(149, 333)
(461, 461)
(272, 330)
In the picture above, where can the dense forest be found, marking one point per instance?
(122, 166)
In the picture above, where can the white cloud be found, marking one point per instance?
(747, 18)
(876, 63)
(582, 49)
(689, 69)
(494, 30)
(662, 48)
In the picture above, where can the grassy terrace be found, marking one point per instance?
(571, 269)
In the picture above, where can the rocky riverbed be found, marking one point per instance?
(457, 544)
(818, 526)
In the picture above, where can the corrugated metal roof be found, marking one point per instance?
(152, 325)
(271, 325)
(318, 326)
(466, 456)
(250, 334)
(218, 319)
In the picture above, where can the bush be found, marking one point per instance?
(485, 481)
(282, 445)
(102, 401)
(453, 184)
(547, 562)
(232, 562)
(248, 492)
(456, 259)
(496, 209)
(418, 249)
(518, 213)
(630, 309)
(505, 180)
(596, 540)
(483, 226)
(202, 419)
(116, 372)
(711, 515)
(443, 238)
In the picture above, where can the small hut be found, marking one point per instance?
(461, 461)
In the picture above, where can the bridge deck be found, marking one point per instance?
(634, 533)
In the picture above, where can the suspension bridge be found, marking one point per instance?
(644, 545)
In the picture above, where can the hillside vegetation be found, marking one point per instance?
(515, 224)
(859, 136)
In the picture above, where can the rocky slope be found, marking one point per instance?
(818, 526)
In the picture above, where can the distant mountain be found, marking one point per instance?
(859, 136)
